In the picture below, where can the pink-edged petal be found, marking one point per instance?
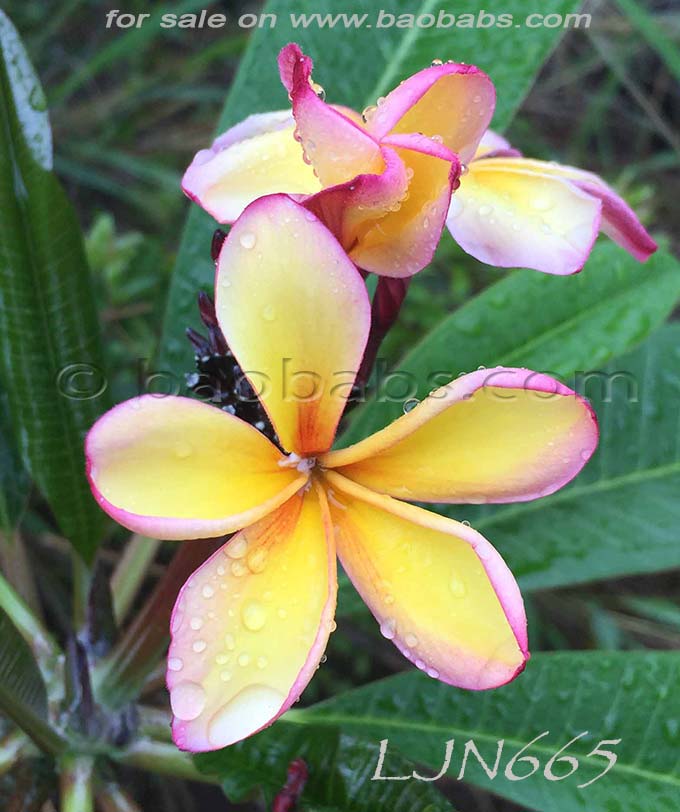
(257, 157)
(439, 590)
(251, 625)
(495, 435)
(175, 468)
(295, 312)
(337, 147)
(507, 215)
(619, 221)
(404, 241)
(494, 145)
(454, 102)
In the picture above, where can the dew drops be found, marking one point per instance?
(207, 591)
(262, 663)
(432, 672)
(237, 547)
(436, 63)
(247, 240)
(541, 203)
(466, 523)
(269, 313)
(244, 659)
(411, 640)
(368, 113)
(457, 587)
(257, 560)
(253, 615)
(238, 568)
(388, 628)
(248, 711)
(187, 700)
(410, 405)
(199, 646)
(196, 623)
(485, 210)
(225, 675)
(175, 664)
(183, 449)
(222, 659)
(389, 599)
(464, 169)
(282, 613)
(476, 99)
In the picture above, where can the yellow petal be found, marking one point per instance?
(257, 157)
(439, 590)
(251, 625)
(495, 435)
(175, 468)
(403, 241)
(296, 314)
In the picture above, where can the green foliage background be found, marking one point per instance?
(597, 561)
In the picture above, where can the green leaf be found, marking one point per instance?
(15, 483)
(621, 515)
(629, 696)
(23, 696)
(340, 771)
(51, 363)
(356, 67)
(560, 325)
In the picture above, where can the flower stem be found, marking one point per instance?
(129, 575)
(82, 575)
(387, 301)
(11, 748)
(76, 784)
(120, 677)
(17, 567)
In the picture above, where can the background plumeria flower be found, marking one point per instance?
(513, 212)
(381, 183)
(251, 624)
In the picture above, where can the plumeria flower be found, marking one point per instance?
(383, 185)
(251, 624)
(512, 212)
(382, 182)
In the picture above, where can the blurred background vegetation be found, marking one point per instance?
(129, 110)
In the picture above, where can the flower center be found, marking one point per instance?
(302, 464)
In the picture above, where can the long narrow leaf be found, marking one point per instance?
(51, 364)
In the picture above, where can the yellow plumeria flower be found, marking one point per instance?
(422, 158)
(251, 624)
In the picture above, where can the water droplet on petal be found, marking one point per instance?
(257, 560)
(410, 404)
(388, 628)
(207, 591)
(243, 659)
(175, 664)
(196, 623)
(253, 615)
(187, 700)
(237, 547)
(436, 63)
(411, 640)
(245, 713)
(199, 646)
(238, 568)
(247, 240)
(225, 675)
(262, 662)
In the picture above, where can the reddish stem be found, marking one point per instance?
(387, 301)
(288, 798)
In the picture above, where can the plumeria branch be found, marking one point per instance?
(166, 759)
